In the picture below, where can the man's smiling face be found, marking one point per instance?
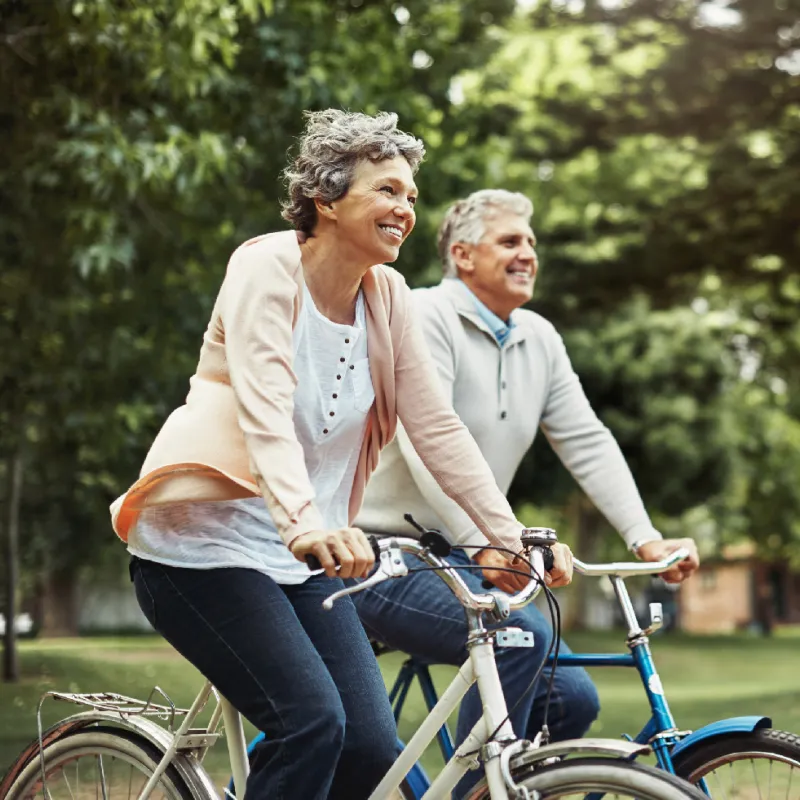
(501, 268)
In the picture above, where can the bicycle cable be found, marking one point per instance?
(553, 648)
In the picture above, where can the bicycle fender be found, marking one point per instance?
(194, 775)
(722, 726)
(612, 748)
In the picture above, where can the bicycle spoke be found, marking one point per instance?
(755, 778)
(718, 779)
(130, 782)
(769, 783)
(69, 788)
(791, 775)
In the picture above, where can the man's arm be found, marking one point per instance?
(589, 451)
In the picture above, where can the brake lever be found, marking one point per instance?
(391, 565)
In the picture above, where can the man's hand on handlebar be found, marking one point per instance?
(660, 549)
(505, 581)
(491, 562)
(348, 548)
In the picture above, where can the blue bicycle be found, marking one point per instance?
(740, 758)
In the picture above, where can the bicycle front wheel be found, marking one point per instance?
(93, 763)
(612, 779)
(740, 766)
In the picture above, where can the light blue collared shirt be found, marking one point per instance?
(500, 329)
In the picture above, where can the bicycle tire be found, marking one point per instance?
(98, 742)
(703, 760)
(611, 777)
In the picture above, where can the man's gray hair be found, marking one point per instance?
(331, 146)
(465, 220)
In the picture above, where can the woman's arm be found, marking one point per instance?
(443, 442)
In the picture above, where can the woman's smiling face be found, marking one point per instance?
(376, 214)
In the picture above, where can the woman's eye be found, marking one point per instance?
(412, 200)
(388, 189)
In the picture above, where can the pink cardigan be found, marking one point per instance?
(235, 436)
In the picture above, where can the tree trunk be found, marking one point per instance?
(587, 522)
(59, 604)
(10, 660)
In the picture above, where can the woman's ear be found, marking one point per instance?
(461, 254)
(324, 209)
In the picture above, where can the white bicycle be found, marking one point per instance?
(120, 747)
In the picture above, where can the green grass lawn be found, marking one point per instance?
(704, 678)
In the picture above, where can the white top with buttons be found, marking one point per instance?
(333, 395)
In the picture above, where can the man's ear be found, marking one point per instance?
(461, 254)
(324, 209)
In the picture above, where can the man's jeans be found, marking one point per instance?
(305, 676)
(419, 615)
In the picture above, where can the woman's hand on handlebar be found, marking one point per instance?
(561, 573)
(347, 548)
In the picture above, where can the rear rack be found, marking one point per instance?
(121, 704)
(185, 739)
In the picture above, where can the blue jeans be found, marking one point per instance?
(419, 615)
(305, 677)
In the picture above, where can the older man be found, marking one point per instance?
(507, 373)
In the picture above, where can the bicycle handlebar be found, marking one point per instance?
(392, 565)
(625, 569)
(389, 551)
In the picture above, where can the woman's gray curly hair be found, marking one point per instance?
(331, 146)
(465, 220)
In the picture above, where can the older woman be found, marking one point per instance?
(311, 355)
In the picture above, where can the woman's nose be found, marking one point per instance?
(404, 208)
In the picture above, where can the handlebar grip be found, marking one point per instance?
(376, 548)
(547, 557)
(312, 562)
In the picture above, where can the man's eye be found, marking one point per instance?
(412, 200)
(388, 189)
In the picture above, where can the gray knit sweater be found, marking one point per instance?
(503, 395)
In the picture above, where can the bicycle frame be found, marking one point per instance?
(660, 732)
(480, 668)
